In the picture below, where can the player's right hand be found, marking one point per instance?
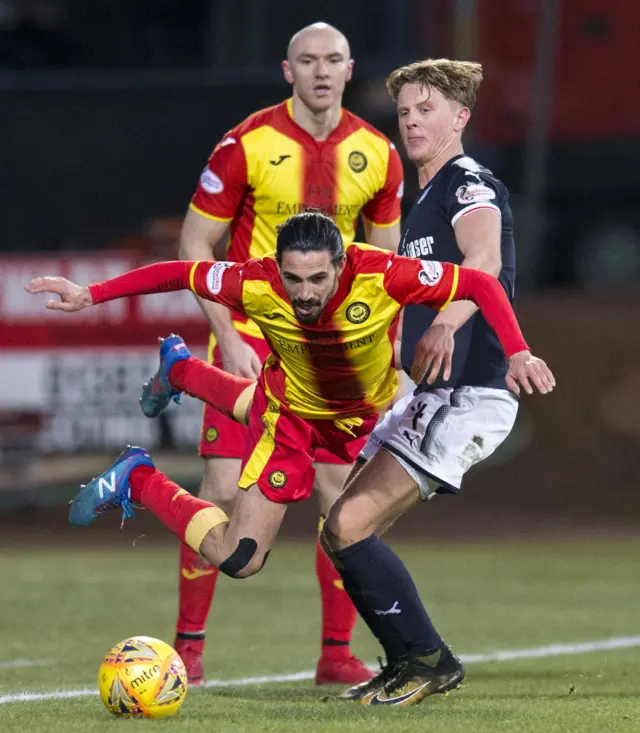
(72, 297)
(239, 358)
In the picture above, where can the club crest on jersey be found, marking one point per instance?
(210, 182)
(277, 479)
(358, 312)
(214, 276)
(211, 435)
(475, 193)
(430, 272)
(357, 161)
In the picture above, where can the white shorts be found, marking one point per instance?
(438, 435)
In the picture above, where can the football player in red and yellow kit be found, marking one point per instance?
(307, 152)
(329, 317)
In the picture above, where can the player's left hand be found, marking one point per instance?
(433, 353)
(72, 297)
(526, 370)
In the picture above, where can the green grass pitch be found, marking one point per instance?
(66, 608)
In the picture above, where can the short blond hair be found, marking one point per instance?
(457, 81)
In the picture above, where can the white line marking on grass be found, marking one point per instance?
(56, 695)
(15, 663)
(508, 655)
(554, 650)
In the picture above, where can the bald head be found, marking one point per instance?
(318, 65)
(321, 34)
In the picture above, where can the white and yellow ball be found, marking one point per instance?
(142, 677)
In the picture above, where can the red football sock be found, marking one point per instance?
(213, 386)
(188, 517)
(197, 585)
(338, 613)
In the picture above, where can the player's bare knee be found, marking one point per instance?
(343, 527)
(337, 527)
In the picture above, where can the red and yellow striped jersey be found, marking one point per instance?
(268, 168)
(341, 366)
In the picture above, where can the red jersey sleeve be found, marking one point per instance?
(223, 182)
(436, 284)
(410, 280)
(383, 209)
(217, 281)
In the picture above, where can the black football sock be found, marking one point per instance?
(392, 643)
(386, 597)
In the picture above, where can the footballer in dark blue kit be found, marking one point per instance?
(463, 407)
(466, 399)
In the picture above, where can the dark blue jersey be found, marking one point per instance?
(460, 186)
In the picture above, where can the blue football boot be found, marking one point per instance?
(109, 490)
(157, 393)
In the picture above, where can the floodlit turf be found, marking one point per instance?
(70, 607)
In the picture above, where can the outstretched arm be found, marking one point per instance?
(204, 278)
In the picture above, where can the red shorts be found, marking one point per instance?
(222, 436)
(282, 447)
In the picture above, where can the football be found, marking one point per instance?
(142, 677)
